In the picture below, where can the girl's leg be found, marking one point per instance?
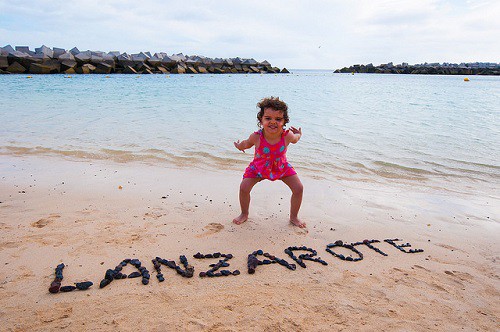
(245, 189)
(297, 189)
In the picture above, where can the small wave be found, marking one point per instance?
(397, 167)
(198, 160)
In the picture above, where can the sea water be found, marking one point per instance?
(423, 130)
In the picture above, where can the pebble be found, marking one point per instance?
(104, 283)
(54, 287)
(134, 275)
(67, 288)
(84, 285)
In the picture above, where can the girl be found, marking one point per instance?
(269, 162)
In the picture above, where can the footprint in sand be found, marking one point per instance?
(211, 229)
(463, 276)
(45, 221)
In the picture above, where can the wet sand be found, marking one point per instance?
(54, 210)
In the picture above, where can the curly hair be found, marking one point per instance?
(274, 103)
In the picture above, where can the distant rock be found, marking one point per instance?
(45, 60)
(476, 68)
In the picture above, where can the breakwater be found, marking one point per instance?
(475, 68)
(45, 60)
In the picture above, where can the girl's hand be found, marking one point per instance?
(296, 131)
(237, 145)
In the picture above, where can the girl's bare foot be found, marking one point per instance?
(297, 222)
(240, 219)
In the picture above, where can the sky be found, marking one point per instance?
(294, 34)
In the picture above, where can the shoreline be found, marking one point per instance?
(74, 212)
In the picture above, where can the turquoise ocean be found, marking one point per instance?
(430, 131)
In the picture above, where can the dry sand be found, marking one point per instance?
(55, 211)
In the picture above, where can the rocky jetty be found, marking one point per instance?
(44, 60)
(476, 68)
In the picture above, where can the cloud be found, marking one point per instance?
(286, 33)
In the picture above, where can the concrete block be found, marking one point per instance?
(103, 68)
(163, 70)
(4, 62)
(24, 49)
(67, 56)
(68, 64)
(44, 50)
(178, 69)
(58, 51)
(38, 68)
(83, 58)
(74, 51)
(129, 70)
(16, 68)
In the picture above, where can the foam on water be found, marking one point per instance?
(359, 127)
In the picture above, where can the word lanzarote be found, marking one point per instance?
(187, 271)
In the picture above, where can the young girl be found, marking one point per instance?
(269, 161)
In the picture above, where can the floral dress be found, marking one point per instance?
(269, 161)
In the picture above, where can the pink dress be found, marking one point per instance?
(269, 161)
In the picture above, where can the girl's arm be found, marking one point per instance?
(248, 143)
(294, 135)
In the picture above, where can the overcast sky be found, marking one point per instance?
(290, 33)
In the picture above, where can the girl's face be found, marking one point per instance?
(272, 121)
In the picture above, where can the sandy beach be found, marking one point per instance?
(54, 210)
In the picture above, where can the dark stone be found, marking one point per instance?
(236, 272)
(104, 283)
(55, 286)
(203, 274)
(217, 255)
(145, 281)
(285, 71)
(84, 285)
(67, 288)
(183, 260)
(135, 262)
(134, 275)
(110, 275)
(225, 272)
